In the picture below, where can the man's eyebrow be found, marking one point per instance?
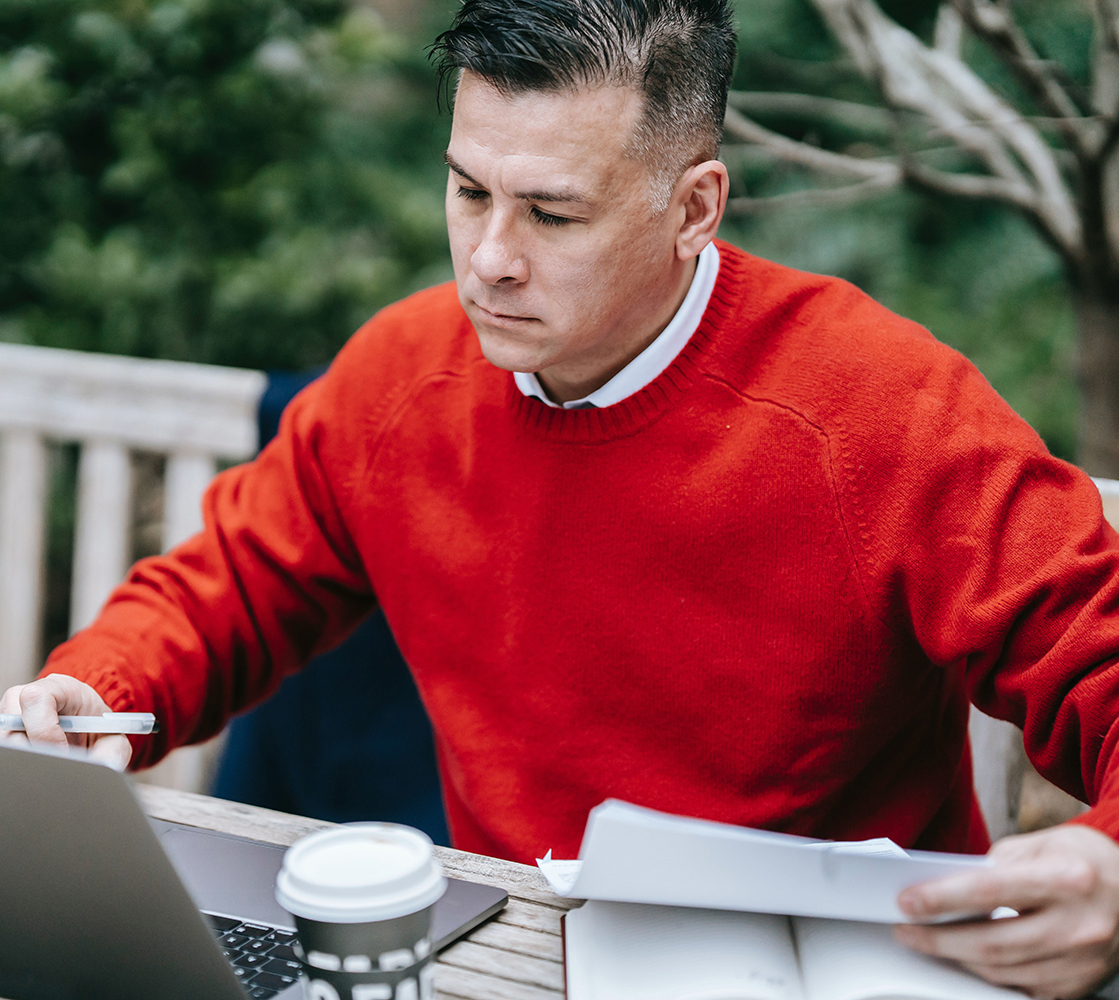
(458, 169)
(559, 195)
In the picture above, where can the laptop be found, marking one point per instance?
(100, 902)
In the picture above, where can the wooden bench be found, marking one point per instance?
(196, 415)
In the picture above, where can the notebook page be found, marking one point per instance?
(846, 960)
(635, 951)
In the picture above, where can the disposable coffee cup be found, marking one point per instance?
(362, 897)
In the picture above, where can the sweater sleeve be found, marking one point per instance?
(273, 579)
(993, 558)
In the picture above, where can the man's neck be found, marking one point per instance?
(562, 389)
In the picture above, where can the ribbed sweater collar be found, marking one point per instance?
(638, 411)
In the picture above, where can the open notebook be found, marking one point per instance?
(638, 951)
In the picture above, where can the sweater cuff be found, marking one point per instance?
(1103, 816)
(105, 679)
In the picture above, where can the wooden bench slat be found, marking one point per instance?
(510, 937)
(23, 502)
(531, 915)
(503, 971)
(102, 537)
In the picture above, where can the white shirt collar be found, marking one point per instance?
(657, 356)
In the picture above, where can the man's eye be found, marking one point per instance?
(472, 194)
(548, 220)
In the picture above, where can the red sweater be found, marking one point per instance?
(759, 590)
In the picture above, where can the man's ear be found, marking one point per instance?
(702, 191)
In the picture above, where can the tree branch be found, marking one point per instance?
(1021, 196)
(849, 114)
(876, 176)
(996, 27)
(849, 194)
(812, 157)
(949, 33)
(914, 77)
(908, 78)
(1107, 23)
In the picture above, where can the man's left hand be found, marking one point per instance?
(1063, 882)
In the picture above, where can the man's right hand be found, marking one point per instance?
(41, 703)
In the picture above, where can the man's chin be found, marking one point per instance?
(500, 352)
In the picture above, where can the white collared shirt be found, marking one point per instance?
(657, 356)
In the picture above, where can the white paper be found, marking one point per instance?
(853, 961)
(881, 847)
(636, 855)
(626, 951)
(561, 875)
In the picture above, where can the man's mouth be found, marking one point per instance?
(501, 318)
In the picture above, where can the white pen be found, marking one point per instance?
(110, 722)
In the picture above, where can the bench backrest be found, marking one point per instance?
(197, 415)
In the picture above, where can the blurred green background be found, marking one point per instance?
(243, 182)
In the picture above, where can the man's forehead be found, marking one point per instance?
(581, 135)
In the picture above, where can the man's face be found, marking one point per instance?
(560, 263)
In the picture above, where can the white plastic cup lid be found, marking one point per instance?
(359, 873)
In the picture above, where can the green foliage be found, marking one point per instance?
(234, 181)
(245, 181)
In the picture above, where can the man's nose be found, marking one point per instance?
(499, 257)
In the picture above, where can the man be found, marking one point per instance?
(733, 542)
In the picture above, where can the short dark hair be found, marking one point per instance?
(678, 54)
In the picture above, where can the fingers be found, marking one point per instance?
(9, 700)
(42, 701)
(114, 751)
(1044, 954)
(1021, 885)
(9, 705)
(1039, 936)
(1049, 978)
(13, 738)
(39, 706)
(1065, 884)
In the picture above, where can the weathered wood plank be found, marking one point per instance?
(540, 972)
(23, 501)
(187, 476)
(523, 881)
(153, 405)
(510, 937)
(466, 984)
(188, 769)
(102, 537)
(531, 915)
(226, 817)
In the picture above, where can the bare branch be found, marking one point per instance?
(1105, 64)
(969, 185)
(859, 117)
(812, 157)
(949, 34)
(900, 64)
(849, 114)
(996, 26)
(813, 197)
(876, 176)
(1107, 23)
(915, 77)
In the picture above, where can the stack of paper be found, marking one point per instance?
(635, 855)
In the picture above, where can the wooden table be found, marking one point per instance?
(516, 956)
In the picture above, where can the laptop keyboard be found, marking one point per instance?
(261, 956)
